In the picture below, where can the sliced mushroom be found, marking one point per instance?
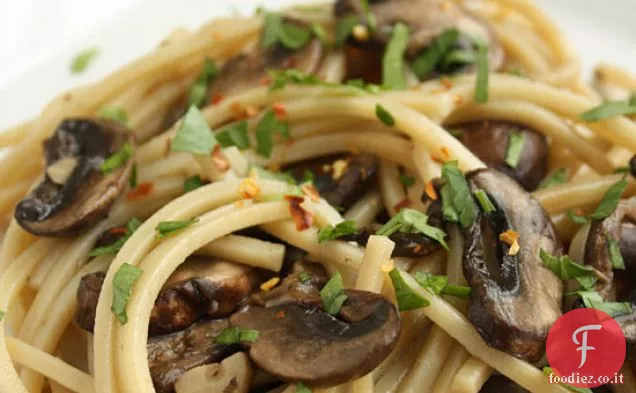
(299, 343)
(410, 245)
(339, 180)
(171, 356)
(515, 298)
(628, 323)
(426, 20)
(620, 225)
(232, 375)
(301, 286)
(248, 69)
(489, 140)
(75, 194)
(199, 288)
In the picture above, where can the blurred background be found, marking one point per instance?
(38, 38)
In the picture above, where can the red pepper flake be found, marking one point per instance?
(217, 98)
(511, 238)
(142, 190)
(430, 190)
(311, 191)
(458, 100)
(117, 231)
(302, 217)
(237, 110)
(265, 80)
(417, 248)
(280, 110)
(446, 82)
(280, 315)
(437, 159)
(446, 153)
(219, 160)
(402, 204)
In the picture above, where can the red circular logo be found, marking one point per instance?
(585, 348)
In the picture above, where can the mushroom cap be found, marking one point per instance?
(516, 299)
(489, 140)
(246, 70)
(340, 180)
(301, 344)
(200, 287)
(86, 195)
(426, 20)
(620, 222)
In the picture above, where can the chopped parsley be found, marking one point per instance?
(439, 285)
(319, 31)
(610, 200)
(515, 148)
(613, 309)
(168, 228)
(192, 183)
(334, 232)
(611, 109)
(557, 177)
(384, 116)
(291, 35)
(344, 28)
(576, 218)
(407, 298)
(265, 130)
(333, 295)
(199, 89)
(123, 282)
(302, 388)
(256, 172)
(114, 113)
(371, 21)
(434, 53)
(83, 59)
(564, 267)
(393, 60)
(412, 221)
(309, 176)
(484, 201)
(112, 249)
(614, 252)
(132, 182)
(117, 160)
(235, 335)
(280, 78)
(481, 84)
(194, 135)
(407, 181)
(457, 202)
(234, 135)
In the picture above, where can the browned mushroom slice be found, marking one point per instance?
(340, 180)
(506, 287)
(490, 140)
(427, 19)
(628, 323)
(620, 226)
(410, 245)
(75, 193)
(248, 69)
(200, 287)
(170, 356)
(298, 343)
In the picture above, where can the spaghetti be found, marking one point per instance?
(258, 168)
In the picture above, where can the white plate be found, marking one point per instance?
(38, 38)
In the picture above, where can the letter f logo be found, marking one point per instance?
(584, 347)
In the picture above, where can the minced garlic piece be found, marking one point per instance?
(61, 170)
(511, 238)
(339, 168)
(360, 33)
(269, 284)
(249, 189)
